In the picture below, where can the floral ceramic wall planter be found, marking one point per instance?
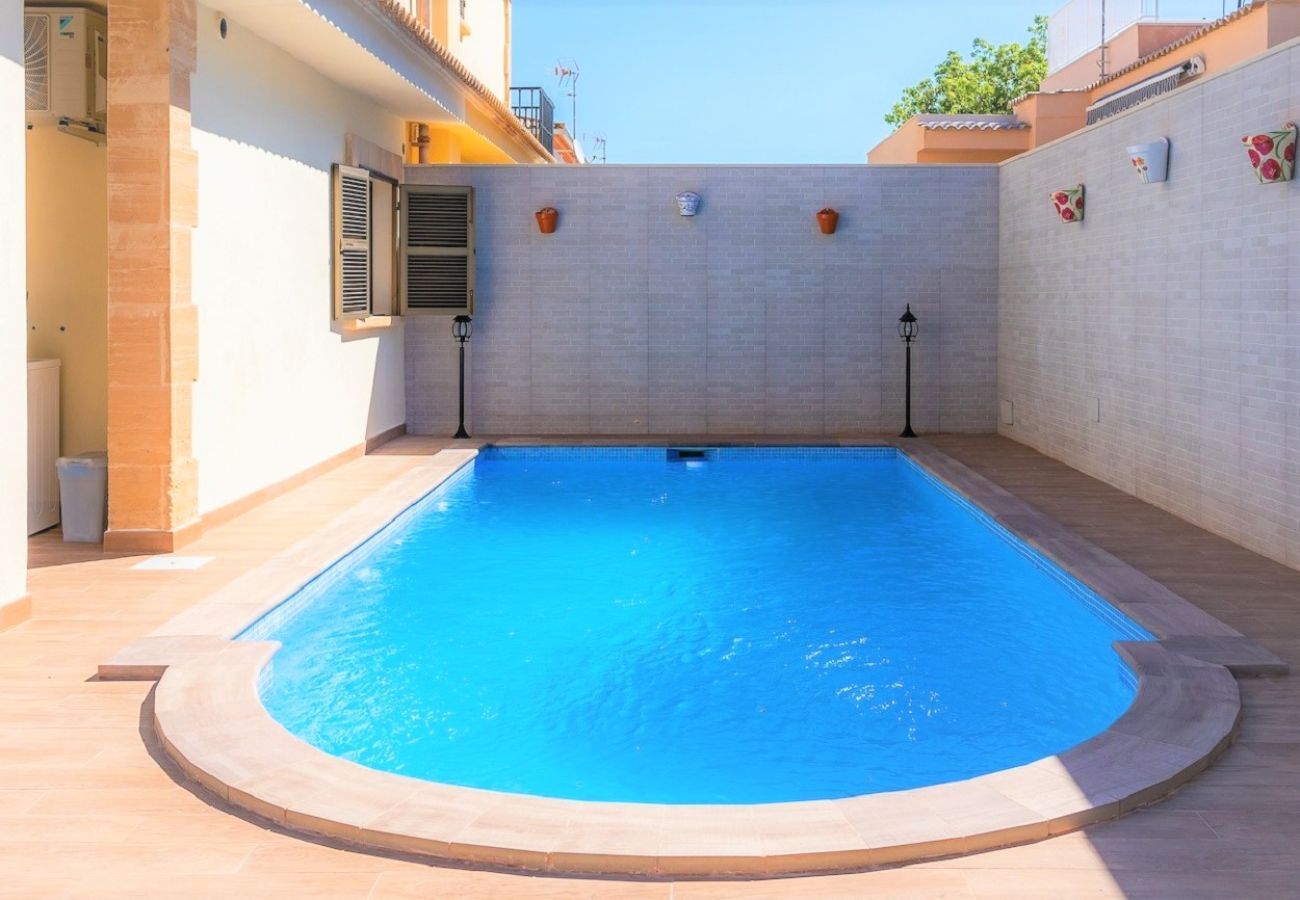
(688, 203)
(1150, 160)
(1272, 153)
(1069, 204)
(547, 218)
(827, 219)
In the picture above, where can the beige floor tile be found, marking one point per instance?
(463, 884)
(143, 886)
(304, 856)
(889, 883)
(1036, 884)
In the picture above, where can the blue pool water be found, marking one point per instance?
(768, 625)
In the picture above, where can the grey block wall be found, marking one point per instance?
(632, 319)
(1176, 305)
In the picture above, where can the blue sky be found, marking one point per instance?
(749, 81)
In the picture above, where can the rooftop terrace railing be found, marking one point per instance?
(1076, 28)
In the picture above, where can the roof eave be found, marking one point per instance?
(448, 61)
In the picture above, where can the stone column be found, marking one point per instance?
(152, 326)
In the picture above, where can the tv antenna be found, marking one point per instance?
(567, 71)
(1101, 62)
(598, 148)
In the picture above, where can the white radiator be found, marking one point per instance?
(42, 444)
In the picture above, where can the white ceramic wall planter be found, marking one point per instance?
(1150, 160)
(688, 203)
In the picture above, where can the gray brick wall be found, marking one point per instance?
(1176, 304)
(631, 319)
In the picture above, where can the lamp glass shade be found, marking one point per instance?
(907, 326)
(461, 327)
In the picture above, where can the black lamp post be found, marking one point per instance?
(908, 330)
(460, 330)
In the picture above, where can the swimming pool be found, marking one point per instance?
(737, 626)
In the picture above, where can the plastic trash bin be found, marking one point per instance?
(83, 496)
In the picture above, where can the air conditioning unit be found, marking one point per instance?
(65, 51)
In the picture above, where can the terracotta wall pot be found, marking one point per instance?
(827, 219)
(547, 217)
(1150, 160)
(1069, 204)
(1272, 154)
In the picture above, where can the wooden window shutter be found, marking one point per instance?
(437, 249)
(351, 235)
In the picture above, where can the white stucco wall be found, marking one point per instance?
(13, 339)
(279, 388)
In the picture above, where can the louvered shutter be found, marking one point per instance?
(437, 249)
(351, 242)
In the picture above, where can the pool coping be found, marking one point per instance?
(209, 716)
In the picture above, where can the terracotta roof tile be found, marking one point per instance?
(969, 122)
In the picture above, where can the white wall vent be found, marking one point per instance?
(65, 52)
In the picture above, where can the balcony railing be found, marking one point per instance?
(534, 108)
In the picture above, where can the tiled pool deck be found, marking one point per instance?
(85, 805)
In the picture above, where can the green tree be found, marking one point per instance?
(987, 82)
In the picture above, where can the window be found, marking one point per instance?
(437, 249)
(365, 244)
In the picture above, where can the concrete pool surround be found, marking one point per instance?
(210, 719)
